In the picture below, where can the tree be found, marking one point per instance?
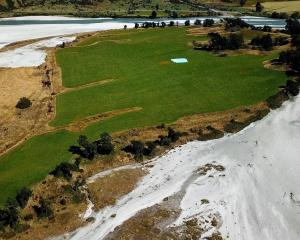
(153, 14)
(10, 4)
(243, 2)
(197, 22)
(104, 144)
(292, 26)
(265, 42)
(23, 103)
(235, 41)
(9, 216)
(217, 42)
(44, 209)
(64, 170)
(208, 22)
(136, 148)
(259, 7)
(295, 15)
(292, 87)
(23, 196)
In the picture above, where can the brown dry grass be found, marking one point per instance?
(106, 190)
(15, 124)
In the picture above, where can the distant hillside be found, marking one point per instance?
(124, 8)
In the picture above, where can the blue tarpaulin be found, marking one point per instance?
(179, 60)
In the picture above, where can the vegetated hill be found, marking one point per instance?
(95, 8)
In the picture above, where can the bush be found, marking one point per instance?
(233, 23)
(265, 42)
(187, 23)
(136, 148)
(153, 15)
(208, 22)
(23, 103)
(44, 209)
(23, 196)
(104, 144)
(9, 215)
(147, 151)
(64, 170)
(197, 22)
(218, 42)
(292, 87)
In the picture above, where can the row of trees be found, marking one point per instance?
(218, 42)
(197, 22)
(88, 150)
(292, 57)
(266, 42)
(9, 214)
(140, 149)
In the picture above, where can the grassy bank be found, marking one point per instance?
(138, 62)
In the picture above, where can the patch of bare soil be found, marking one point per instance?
(81, 124)
(106, 190)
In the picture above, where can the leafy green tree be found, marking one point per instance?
(10, 4)
(197, 22)
(187, 23)
(23, 196)
(208, 22)
(153, 14)
(44, 209)
(23, 103)
(243, 2)
(104, 144)
(259, 7)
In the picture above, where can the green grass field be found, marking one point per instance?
(138, 62)
(282, 6)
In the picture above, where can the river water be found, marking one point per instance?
(25, 28)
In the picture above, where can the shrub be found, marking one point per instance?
(23, 103)
(23, 196)
(208, 22)
(292, 87)
(9, 215)
(64, 170)
(197, 22)
(147, 151)
(265, 42)
(235, 23)
(259, 7)
(219, 42)
(136, 148)
(187, 23)
(44, 209)
(235, 41)
(104, 144)
(153, 14)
